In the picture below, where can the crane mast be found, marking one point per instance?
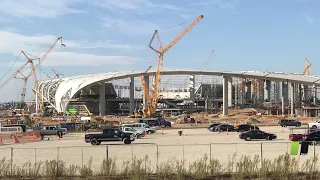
(153, 101)
(307, 65)
(31, 73)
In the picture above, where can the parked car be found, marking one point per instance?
(312, 137)
(24, 127)
(295, 137)
(137, 134)
(245, 127)
(287, 122)
(257, 134)
(110, 134)
(315, 125)
(212, 126)
(224, 127)
(156, 122)
(50, 130)
(141, 127)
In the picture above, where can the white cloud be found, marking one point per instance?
(309, 19)
(138, 5)
(65, 58)
(223, 4)
(38, 8)
(15, 42)
(131, 27)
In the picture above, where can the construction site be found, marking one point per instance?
(207, 95)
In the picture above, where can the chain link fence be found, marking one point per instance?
(156, 154)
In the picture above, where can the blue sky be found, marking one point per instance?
(113, 35)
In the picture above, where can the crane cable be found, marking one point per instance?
(11, 66)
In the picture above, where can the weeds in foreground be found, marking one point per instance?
(245, 167)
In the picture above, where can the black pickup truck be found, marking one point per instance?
(109, 134)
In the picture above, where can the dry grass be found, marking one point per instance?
(283, 167)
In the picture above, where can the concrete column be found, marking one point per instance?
(292, 98)
(102, 99)
(37, 104)
(145, 102)
(248, 90)
(230, 92)
(299, 102)
(268, 89)
(131, 95)
(225, 95)
(192, 89)
(284, 95)
(314, 94)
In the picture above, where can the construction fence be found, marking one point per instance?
(24, 137)
(152, 154)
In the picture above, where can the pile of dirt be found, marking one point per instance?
(252, 120)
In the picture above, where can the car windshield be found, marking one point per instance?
(131, 129)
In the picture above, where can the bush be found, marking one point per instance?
(247, 167)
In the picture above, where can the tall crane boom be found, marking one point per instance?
(44, 56)
(184, 32)
(207, 60)
(307, 65)
(14, 75)
(154, 100)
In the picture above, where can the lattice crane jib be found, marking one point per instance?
(160, 52)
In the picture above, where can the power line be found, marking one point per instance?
(11, 66)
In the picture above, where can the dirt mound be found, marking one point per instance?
(252, 120)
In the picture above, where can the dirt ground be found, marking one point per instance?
(163, 146)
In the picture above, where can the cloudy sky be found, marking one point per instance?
(113, 35)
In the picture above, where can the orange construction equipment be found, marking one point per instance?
(307, 66)
(153, 101)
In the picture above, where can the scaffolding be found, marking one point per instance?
(257, 91)
(275, 92)
(240, 91)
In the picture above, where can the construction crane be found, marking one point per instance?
(33, 72)
(207, 60)
(25, 78)
(307, 66)
(57, 74)
(153, 101)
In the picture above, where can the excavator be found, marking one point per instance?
(150, 110)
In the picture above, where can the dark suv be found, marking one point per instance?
(110, 134)
(245, 127)
(287, 122)
(224, 127)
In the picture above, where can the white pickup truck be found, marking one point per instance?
(314, 125)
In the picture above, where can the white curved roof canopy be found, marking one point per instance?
(59, 91)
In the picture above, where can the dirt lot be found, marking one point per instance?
(159, 147)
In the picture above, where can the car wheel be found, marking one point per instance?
(149, 132)
(138, 136)
(94, 141)
(99, 142)
(248, 138)
(126, 141)
(268, 138)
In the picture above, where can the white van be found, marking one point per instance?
(10, 130)
(141, 127)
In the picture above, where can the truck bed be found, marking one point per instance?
(295, 137)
